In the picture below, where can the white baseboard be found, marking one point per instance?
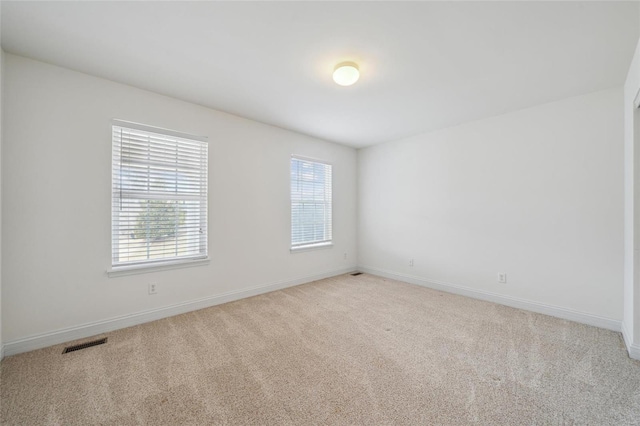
(541, 308)
(633, 349)
(626, 337)
(634, 352)
(91, 329)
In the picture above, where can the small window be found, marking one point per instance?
(159, 196)
(311, 217)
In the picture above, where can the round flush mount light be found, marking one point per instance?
(346, 73)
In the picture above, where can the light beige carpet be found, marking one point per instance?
(345, 350)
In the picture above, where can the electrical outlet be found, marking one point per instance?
(410, 262)
(153, 288)
(345, 256)
(502, 278)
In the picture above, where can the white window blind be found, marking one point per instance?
(159, 196)
(311, 214)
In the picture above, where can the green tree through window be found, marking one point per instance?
(159, 219)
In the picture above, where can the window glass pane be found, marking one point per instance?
(310, 202)
(159, 197)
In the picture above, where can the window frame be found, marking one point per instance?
(151, 265)
(316, 245)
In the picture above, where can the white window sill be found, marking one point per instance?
(143, 269)
(311, 247)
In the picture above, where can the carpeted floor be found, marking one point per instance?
(345, 350)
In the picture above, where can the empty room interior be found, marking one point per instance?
(297, 213)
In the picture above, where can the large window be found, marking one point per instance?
(310, 203)
(159, 196)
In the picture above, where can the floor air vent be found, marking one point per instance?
(356, 274)
(84, 345)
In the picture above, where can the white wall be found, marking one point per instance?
(56, 207)
(1, 78)
(631, 321)
(536, 193)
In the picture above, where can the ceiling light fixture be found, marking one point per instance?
(346, 73)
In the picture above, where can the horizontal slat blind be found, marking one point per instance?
(311, 212)
(159, 197)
